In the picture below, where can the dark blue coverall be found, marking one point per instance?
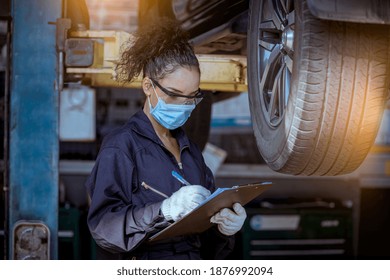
(123, 214)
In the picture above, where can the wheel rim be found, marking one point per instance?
(275, 52)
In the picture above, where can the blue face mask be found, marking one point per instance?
(170, 116)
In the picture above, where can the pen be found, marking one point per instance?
(146, 186)
(180, 178)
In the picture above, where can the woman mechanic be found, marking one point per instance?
(123, 213)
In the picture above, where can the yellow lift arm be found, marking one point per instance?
(219, 73)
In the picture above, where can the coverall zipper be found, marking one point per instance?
(179, 164)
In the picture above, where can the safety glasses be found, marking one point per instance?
(181, 98)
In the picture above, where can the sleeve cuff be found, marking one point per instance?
(165, 210)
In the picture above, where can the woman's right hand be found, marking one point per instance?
(183, 201)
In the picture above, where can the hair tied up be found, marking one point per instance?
(155, 50)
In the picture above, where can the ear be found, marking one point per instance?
(146, 86)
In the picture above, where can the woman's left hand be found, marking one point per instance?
(230, 222)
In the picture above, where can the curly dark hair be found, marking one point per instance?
(155, 51)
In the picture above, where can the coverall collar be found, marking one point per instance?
(142, 125)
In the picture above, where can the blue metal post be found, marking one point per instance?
(33, 157)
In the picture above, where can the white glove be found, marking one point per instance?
(229, 222)
(183, 201)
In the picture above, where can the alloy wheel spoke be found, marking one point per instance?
(286, 90)
(289, 5)
(269, 35)
(276, 52)
(289, 63)
(270, 68)
(272, 106)
(282, 4)
(291, 18)
(276, 17)
(275, 99)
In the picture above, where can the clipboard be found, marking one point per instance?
(198, 220)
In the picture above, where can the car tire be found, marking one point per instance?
(317, 89)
